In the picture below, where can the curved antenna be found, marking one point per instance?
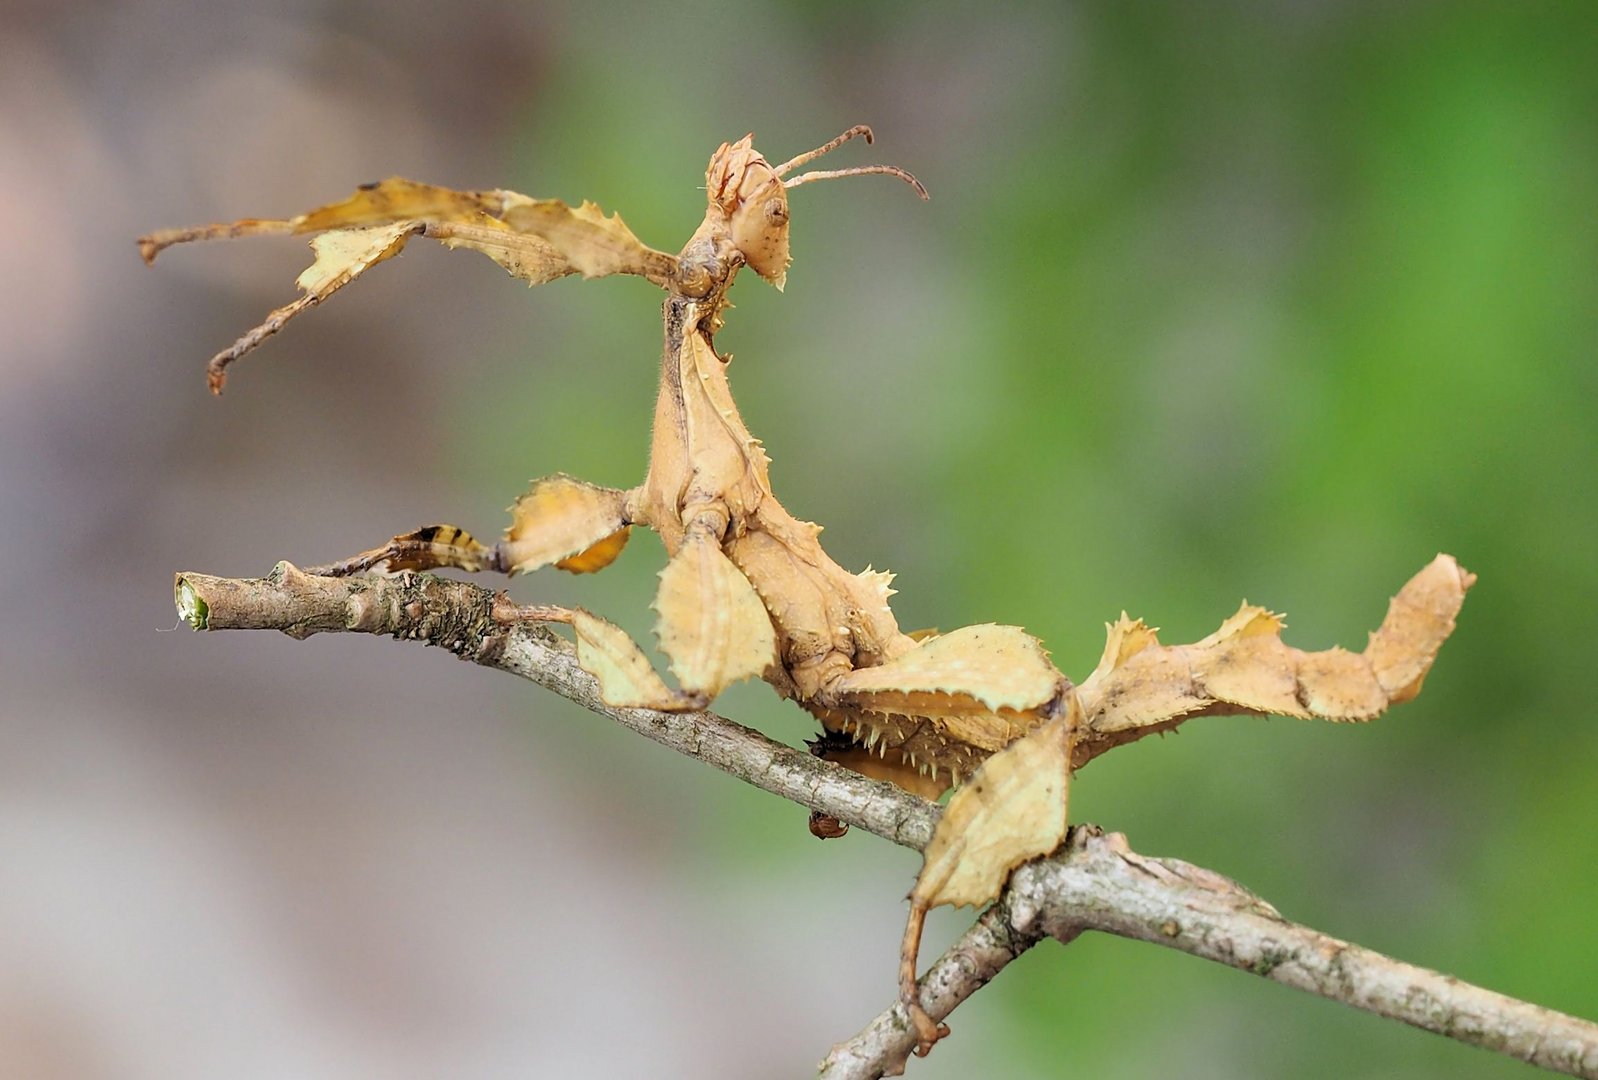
(832, 174)
(859, 170)
(833, 144)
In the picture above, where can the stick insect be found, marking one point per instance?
(748, 591)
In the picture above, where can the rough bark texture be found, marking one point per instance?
(1095, 883)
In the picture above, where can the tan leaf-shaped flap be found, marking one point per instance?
(1157, 688)
(341, 257)
(457, 219)
(999, 667)
(561, 518)
(398, 199)
(1245, 663)
(1141, 685)
(1012, 810)
(598, 556)
(526, 257)
(712, 627)
(626, 677)
(592, 243)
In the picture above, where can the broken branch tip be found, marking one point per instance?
(192, 608)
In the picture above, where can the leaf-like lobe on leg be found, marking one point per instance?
(950, 698)
(626, 677)
(474, 220)
(344, 255)
(1012, 810)
(1001, 667)
(399, 199)
(712, 627)
(575, 525)
(588, 241)
(341, 257)
(598, 556)
(457, 219)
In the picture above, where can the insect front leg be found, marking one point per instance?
(713, 626)
(576, 526)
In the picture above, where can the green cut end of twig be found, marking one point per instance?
(191, 609)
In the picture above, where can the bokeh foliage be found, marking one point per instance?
(1211, 301)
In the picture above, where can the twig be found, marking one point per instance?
(1096, 883)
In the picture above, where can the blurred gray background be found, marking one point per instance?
(1264, 301)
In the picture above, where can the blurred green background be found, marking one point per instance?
(1271, 301)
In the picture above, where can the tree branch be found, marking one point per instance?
(1095, 883)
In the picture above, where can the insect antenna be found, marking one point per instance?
(832, 174)
(810, 155)
(859, 170)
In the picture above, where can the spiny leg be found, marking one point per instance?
(576, 526)
(387, 202)
(341, 257)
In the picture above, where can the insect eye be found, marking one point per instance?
(777, 211)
